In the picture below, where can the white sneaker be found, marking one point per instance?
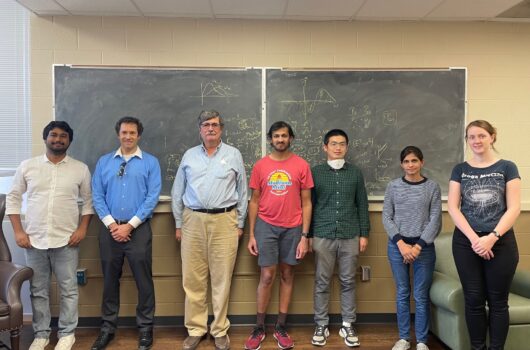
(422, 346)
(350, 336)
(320, 336)
(402, 344)
(65, 343)
(39, 343)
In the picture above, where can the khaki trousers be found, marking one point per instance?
(208, 249)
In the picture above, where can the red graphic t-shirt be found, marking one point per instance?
(280, 184)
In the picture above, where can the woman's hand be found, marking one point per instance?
(483, 245)
(406, 251)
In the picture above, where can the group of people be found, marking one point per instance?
(293, 209)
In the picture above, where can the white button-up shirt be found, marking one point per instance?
(53, 191)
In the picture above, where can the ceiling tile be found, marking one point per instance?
(100, 7)
(477, 9)
(43, 7)
(253, 8)
(176, 8)
(396, 9)
(343, 9)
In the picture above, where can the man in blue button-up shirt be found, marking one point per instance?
(126, 186)
(209, 205)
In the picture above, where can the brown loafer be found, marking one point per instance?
(222, 343)
(191, 342)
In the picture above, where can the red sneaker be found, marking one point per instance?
(254, 340)
(284, 340)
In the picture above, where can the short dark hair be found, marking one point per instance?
(277, 126)
(411, 149)
(335, 132)
(129, 120)
(58, 124)
(209, 114)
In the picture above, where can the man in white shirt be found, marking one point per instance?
(53, 182)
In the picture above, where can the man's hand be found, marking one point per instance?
(77, 237)
(301, 249)
(121, 233)
(178, 234)
(252, 246)
(363, 244)
(22, 239)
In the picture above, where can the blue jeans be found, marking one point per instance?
(423, 268)
(63, 263)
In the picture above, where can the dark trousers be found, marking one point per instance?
(486, 280)
(139, 255)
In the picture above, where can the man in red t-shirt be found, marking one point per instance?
(279, 215)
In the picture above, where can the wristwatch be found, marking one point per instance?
(305, 234)
(496, 234)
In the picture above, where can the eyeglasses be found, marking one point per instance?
(338, 144)
(208, 125)
(121, 172)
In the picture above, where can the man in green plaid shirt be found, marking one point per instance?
(340, 227)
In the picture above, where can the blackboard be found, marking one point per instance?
(382, 112)
(167, 101)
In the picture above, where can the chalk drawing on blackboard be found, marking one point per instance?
(390, 117)
(173, 162)
(322, 96)
(361, 117)
(215, 89)
(244, 133)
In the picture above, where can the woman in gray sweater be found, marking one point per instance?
(412, 216)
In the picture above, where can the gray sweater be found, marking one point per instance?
(412, 211)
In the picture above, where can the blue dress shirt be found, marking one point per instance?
(204, 182)
(127, 195)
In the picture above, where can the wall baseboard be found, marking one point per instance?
(235, 320)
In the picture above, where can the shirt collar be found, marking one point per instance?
(46, 160)
(218, 147)
(138, 153)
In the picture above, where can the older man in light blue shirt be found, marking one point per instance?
(209, 205)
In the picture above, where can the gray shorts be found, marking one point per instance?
(276, 244)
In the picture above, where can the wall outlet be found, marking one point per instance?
(81, 277)
(366, 272)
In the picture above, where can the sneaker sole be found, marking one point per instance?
(317, 343)
(282, 347)
(259, 345)
(352, 345)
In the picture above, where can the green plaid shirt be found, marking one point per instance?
(340, 203)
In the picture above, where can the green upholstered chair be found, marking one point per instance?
(447, 303)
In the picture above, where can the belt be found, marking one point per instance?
(215, 210)
(122, 222)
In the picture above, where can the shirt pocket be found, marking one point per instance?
(222, 171)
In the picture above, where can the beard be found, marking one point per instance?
(281, 147)
(57, 151)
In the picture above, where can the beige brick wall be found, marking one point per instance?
(496, 55)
